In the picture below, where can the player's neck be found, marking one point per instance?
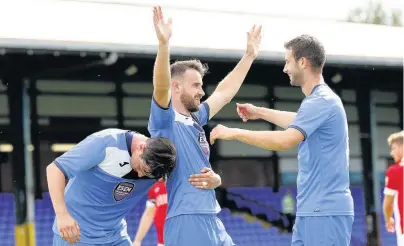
(180, 108)
(310, 81)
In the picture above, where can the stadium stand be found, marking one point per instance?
(241, 222)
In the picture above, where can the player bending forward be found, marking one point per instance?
(178, 114)
(324, 203)
(393, 191)
(156, 209)
(108, 173)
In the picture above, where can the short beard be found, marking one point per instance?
(188, 103)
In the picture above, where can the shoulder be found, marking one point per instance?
(109, 132)
(117, 158)
(392, 170)
(324, 99)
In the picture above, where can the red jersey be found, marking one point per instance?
(394, 187)
(157, 196)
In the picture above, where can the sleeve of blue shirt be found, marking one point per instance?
(313, 112)
(203, 113)
(160, 118)
(87, 154)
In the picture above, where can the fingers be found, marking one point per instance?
(157, 14)
(213, 137)
(206, 170)
(257, 31)
(77, 231)
(252, 30)
(242, 111)
(201, 185)
(71, 234)
(160, 12)
(199, 177)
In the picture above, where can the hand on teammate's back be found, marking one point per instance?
(247, 111)
(253, 41)
(161, 26)
(207, 179)
(68, 228)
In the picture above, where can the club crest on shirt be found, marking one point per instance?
(203, 143)
(122, 190)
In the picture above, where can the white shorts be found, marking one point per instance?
(400, 240)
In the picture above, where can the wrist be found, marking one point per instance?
(260, 112)
(249, 57)
(235, 133)
(61, 213)
(164, 44)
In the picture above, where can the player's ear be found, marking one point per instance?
(303, 62)
(142, 146)
(176, 85)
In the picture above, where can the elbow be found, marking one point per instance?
(227, 100)
(285, 145)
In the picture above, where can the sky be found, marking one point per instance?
(313, 9)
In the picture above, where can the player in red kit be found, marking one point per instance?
(156, 209)
(393, 192)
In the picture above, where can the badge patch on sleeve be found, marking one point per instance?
(122, 190)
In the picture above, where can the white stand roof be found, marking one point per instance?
(128, 29)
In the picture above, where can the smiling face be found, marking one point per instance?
(187, 83)
(293, 68)
(190, 90)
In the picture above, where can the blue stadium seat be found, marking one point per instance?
(242, 232)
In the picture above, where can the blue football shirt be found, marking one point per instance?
(193, 154)
(102, 185)
(323, 157)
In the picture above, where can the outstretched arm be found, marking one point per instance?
(311, 115)
(247, 111)
(161, 74)
(230, 85)
(270, 140)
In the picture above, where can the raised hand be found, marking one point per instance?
(247, 111)
(161, 26)
(253, 41)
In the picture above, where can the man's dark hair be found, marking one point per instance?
(178, 68)
(309, 47)
(160, 155)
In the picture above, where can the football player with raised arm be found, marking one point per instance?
(325, 211)
(178, 114)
